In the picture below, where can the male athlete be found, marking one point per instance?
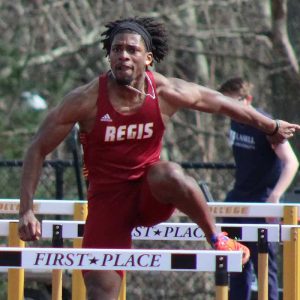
(122, 116)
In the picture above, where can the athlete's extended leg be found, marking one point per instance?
(169, 184)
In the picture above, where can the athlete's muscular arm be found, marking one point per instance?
(77, 106)
(176, 93)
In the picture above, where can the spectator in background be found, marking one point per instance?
(263, 173)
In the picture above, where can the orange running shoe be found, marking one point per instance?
(227, 244)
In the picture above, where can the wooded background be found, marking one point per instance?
(49, 47)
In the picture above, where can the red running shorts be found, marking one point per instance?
(113, 212)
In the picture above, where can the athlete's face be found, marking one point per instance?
(128, 57)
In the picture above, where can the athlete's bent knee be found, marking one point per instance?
(165, 179)
(165, 174)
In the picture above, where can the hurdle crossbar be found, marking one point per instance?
(117, 259)
(218, 209)
(169, 231)
(40, 206)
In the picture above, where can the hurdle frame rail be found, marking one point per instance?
(183, 232)
(59, 230)
(261, 233)
(288, 211)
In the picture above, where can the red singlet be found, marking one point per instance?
(120, 147)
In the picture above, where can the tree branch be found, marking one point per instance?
(280, 34)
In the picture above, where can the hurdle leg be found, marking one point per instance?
(221, 278)
(15, 276)
(291, 265)
(292, 276)
(56, 284)
(222, 292)
(263, 263)
(122, 294)
(263, 276)
(78, 287)
(57, 242)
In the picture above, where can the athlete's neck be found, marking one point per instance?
(139, 91)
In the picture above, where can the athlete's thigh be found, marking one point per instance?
(150, 210)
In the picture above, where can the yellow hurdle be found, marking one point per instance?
(122, 294)
(78, 287)
(222, 292)
(291, 265)
(291, 261)
(263, 276)
(15, 276)
(221, 278)
(56, 284)
(263, 264)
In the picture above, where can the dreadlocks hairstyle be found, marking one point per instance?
(152, 29)
(236, 85)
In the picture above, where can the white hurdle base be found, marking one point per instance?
(114, 259)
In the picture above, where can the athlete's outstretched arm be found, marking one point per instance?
(176, 93)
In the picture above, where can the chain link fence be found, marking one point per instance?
(62, 179)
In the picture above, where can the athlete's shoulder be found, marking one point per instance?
(164, 85)
(171, 83)
(160, 79)
(81, 101)
(85, 91)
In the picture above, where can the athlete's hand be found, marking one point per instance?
(285, 131)
(29, 227)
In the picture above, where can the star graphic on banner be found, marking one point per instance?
(157, 232)
(93, 261)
